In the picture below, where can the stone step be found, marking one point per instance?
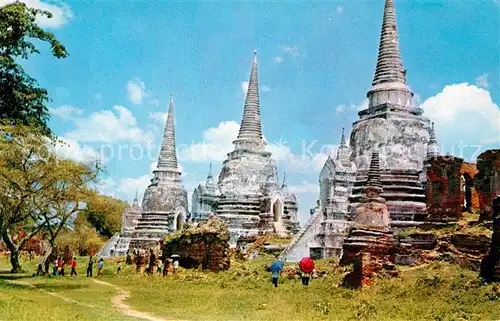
(393, 188)
(238, 212)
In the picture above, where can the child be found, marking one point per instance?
(100, 265)
(119, 268)
(73, 267)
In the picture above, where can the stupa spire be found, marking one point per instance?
(374, 179)
(432, 135)
(284, 180)
(389, 63)
(250, 128)
(136, 199)
(342, 139)
(433, 145)
(168, 157)
(210, 172)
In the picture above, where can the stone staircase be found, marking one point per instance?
(314, 219)
(105, 251)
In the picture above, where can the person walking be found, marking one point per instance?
(61, 266)
(90, 266)
(73, 267)
(307, 267)
(276, 267)
(100, 265)
(119, 267)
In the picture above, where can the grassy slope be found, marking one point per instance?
(436, 292)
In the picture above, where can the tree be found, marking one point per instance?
(105, 213)
(83, 238)
(21, 100)
(37, 190)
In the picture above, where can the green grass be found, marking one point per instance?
(439, 291)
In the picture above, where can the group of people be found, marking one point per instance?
(100, 266)
(59, 264)
(306, 270)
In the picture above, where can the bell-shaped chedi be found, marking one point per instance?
(395, 128)
(251, 200)
(369, 242)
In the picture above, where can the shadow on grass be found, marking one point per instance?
(11, 276)
(60, 287)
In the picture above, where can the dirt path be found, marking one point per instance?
(51, 293)
(118, 302)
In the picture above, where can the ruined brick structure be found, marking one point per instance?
(370, 242)
(487, 181)
(202, 244)
(248, 196)
(490, 266)
(444, 195)
(470, 197)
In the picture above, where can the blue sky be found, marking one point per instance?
(316, 62)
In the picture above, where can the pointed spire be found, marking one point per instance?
(343, 150)
(210, 172)
(250, 128)
(136, 199)
(433, 145)
(389, 64)
(168, 157)
(374, 179)
(432, 134)
(284, 181)
(342, 139)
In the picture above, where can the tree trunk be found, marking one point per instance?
(14, 254)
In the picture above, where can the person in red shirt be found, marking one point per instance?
(73, 267)
(60, 266)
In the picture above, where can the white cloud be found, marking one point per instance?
(158, 116)
(265, 88)
(291, 50)
(61, 12)
(482, 81)
(278, 59)
(128, 187)
(66, 111)
(464, 115)
(136, 90)
(109, 126)
(340, 10)
(340, 109)
(244, 87)
(360, 106)
(70, 149)
(217, 142)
